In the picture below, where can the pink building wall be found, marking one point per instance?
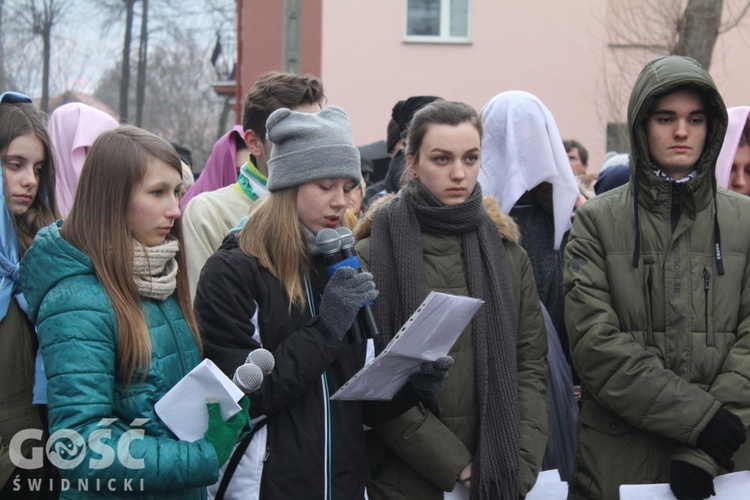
(556, 50)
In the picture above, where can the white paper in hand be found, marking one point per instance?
(183, 408)
(728, 487)
(427, 335)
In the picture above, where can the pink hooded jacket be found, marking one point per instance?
(738, 117)
(72, 129)
(221, 167)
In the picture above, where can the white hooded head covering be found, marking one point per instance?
(738, 118)
(521, 148)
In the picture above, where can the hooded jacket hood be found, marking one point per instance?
(657, 79)
(50, 260)
(738, 118)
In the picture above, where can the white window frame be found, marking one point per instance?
(445, 26)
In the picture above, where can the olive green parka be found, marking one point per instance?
(658, 335)
(418, 456)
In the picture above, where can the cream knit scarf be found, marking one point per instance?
(155, 269)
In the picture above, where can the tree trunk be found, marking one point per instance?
(46, 57)
(698, 30)
(125, 80)
(3, 83)
(140, 91)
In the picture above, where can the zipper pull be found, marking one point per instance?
(706, 279)
(268, 452)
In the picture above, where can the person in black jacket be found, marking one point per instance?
(268, 286)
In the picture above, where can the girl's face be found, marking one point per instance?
(23, 161)
(739, 178)
(448, 162)
(155, 204)
(321, 203)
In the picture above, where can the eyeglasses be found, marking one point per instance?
(15, 98)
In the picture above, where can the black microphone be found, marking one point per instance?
(329, 243)
(350, 258)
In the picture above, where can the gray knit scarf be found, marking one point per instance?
(397, 264)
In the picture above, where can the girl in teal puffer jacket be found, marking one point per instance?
(108, 292)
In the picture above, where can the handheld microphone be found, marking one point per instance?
(329, 242)
(365, 316)
(263, 358)
(249, 376)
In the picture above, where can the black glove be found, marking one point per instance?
(689, 482)
(346, 292)
(428, 382)
(722, 437)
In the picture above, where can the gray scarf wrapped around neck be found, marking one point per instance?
(398, 267)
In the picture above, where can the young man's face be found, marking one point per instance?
(579, 168)
(676, 131)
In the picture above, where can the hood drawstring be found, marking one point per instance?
(717, 233)
(637, 250)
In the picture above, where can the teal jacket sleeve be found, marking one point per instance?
(77, 337)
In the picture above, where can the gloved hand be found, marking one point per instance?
(224, 435)
(722, 436)
(428, 382)
(346, 292)
(689, 482)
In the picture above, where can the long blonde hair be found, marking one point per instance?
(97, 225)
(273, 235)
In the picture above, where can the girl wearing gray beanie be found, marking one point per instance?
(268, 286)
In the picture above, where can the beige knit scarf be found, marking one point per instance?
(155, 269)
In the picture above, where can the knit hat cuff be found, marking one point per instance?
(288, 169)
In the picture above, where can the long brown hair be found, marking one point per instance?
(97, 225)
(17, 120)
(273, 235)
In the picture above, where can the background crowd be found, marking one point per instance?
(613, 343)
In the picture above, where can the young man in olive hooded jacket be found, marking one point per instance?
(657, 285)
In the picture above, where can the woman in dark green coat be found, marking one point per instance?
(487, 428)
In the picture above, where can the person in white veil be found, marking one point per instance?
(524, 165)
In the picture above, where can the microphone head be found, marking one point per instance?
(328, 241)
(346, 236)
(263, 358)
(248, 377)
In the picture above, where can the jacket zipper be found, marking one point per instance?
(650, 306)
(327, 455)
(710, 340)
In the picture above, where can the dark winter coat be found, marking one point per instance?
(660, 346)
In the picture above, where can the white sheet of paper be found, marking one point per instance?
(728, 487)
(548, 486)
(427, 335)
(183, 408)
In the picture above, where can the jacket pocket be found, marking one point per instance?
(709, 300)
(594, 415)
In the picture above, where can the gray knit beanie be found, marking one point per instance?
(310, 146)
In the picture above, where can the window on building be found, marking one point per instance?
(437, 20)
